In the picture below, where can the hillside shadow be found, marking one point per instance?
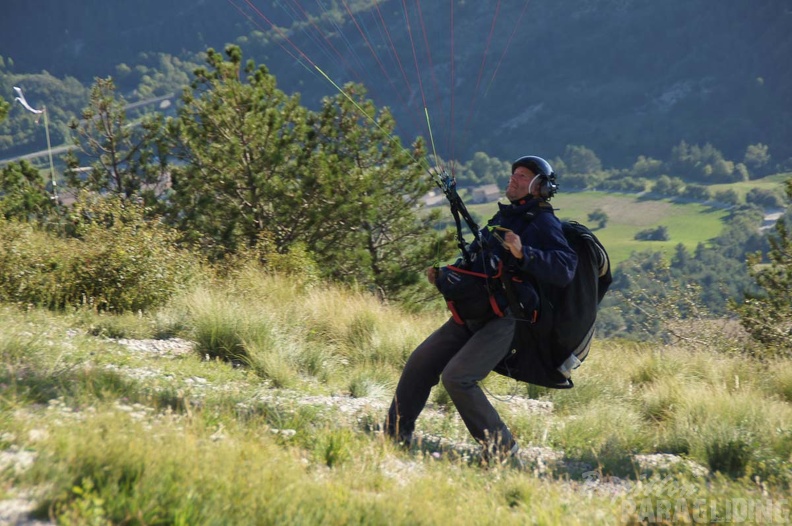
(74, 385)
(555, 464)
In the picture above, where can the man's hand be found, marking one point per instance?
(513, 243)
(431, 274)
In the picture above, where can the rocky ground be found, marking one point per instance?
(362, 413)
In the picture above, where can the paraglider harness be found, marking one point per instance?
(546, 349)
(470, 295)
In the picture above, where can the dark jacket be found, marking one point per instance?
(547, 257)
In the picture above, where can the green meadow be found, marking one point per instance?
(687, 223)
(628, 214)
(771, 182)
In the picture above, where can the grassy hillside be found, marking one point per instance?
(687, 223)
(771, 182)
(103, 423)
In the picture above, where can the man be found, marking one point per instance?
(522, 243)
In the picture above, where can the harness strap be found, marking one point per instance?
(454, 314)
(481, 275)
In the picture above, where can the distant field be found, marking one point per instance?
(771, 182)
(689, 224)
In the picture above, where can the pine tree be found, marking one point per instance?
(244, 149)
(377, 184)
(125, 159)
(767, 316)
(256, 165)
(23, 193)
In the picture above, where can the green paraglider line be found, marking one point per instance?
(390, 135)
(305, 61)
(431, 137)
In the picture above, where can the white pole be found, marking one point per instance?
(52, 166)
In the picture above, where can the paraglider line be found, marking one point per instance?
(506, 48)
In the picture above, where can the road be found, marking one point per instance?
(65, 148)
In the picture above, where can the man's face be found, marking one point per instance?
(519, 184)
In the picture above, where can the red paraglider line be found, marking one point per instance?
(295, 52)
(280, 33)
(374, 53)
(431, 65)
(310, 20)
(368, 44)
(392, 46)
(474, 98)
(428, 51)
(508, 43)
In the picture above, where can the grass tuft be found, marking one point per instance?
(283, 425)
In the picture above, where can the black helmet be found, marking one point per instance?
(542, 169)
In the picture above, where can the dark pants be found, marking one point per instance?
(462, 356)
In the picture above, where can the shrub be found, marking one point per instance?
(624, 184)
(766, 314)
(653, 234)
(764, 198)
(599, 217)
(668, 186)
(575, 181)
(697, 192)
(729, 197)
(114, 260)
(729, 453)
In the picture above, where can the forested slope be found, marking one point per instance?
(623, 77)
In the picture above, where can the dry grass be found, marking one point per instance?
(110, 433)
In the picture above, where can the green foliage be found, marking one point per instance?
(126, 160)
(219, 331)
(764, 198)
(297, 261)
(620, 108)
(757, 157)
(766, 315)
(485, 169)
(620, 183)
(582, 160)
(372, 190)
(23, 193)
(668, 186)
(650, 296)
(332, 447)
(85, 507)
(647, 167)
(659, 233)
(730, 453)
(4, 105)
(729, 197)
(599, 217)
(245, 160)
(704, 280)
(155, 75)
(132, 263)
(697, 192)
(116, 431)
(23, 132)
(704, 164)
(116, 262)
(336, 184)
(576, 181)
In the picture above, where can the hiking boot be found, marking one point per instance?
(397, 434)
(403, 440)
